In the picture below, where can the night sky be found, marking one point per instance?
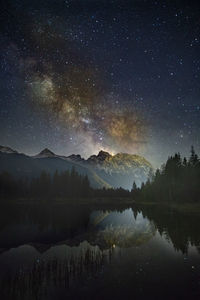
(79, 76)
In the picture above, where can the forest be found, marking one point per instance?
(63, 185)
(178, 180)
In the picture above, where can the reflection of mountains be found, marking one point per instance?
(121, 229)
(43, 227)
(67, 245)
(37, 269)
(32, 275)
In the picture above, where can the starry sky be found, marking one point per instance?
(78, 76)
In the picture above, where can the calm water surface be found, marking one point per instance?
(65, 252)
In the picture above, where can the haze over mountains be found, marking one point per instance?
(103, 170)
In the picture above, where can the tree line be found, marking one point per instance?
(64, 184)
(177, 181)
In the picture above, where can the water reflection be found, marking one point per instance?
(121, 229)
(31, 275)
(182, 229)
(69, 251)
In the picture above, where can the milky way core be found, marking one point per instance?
(75, 96)
(79, 76)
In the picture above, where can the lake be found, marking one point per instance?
(98, 252)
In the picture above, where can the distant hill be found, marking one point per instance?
(103, 170)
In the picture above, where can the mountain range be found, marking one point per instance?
(103, 170)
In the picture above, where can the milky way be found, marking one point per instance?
(75, 94)
(80, 76)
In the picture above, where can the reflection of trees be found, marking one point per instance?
(59, 222)
(48, 225)
(181, 229)
(41, 223)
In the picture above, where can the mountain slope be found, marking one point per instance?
(5, 149)
(103, 170)
(21, 165)
(118, 170)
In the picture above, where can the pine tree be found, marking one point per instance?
(193, 157)
(134, 187)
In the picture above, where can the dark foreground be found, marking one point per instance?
(100, 252)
